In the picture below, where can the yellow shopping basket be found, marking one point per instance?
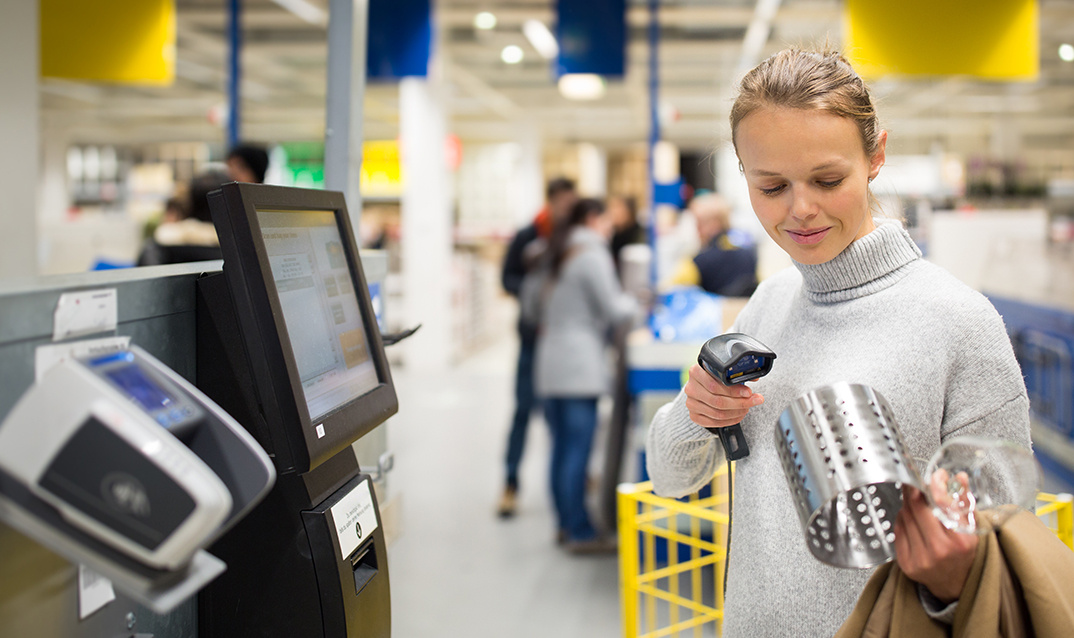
(672, 556)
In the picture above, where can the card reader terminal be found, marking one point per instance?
(165, 404)
(88, 440)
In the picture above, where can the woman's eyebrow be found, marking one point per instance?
(826, 165)
(763, 173)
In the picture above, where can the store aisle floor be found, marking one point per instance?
(457, 570)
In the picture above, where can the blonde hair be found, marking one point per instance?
(809, 80)
(712, 206)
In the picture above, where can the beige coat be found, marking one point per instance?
(1021, 585)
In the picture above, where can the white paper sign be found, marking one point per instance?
(94, 591)
(85, 313)
(45, 357)
(354, 518)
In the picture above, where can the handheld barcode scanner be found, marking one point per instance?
(732, 359)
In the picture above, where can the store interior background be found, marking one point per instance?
(983, 171)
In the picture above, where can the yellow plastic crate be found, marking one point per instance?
(672, 556)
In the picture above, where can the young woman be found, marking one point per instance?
(860, 306)
(577, 298)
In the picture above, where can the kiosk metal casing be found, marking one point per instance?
(289, 572)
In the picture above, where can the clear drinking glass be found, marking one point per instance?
(975, 484)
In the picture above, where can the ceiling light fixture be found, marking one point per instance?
(541, 38)
(1066, 52)
(512, 54)
(485, 21)
(581, 86)
(306, 11)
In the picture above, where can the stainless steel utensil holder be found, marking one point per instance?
(845, 465)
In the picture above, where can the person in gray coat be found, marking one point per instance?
(576, 297)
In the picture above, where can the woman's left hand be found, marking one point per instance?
(928, 552)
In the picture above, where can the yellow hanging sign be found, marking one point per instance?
(120, 41)
(989, 39)
(382, 173)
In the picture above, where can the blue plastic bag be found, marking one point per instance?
(687, 314)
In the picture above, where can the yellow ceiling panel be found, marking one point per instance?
(990, 39)
(118, 41)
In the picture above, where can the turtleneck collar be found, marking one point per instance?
(866, 266)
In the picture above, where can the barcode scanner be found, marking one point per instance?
(733, 359)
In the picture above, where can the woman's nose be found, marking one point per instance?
(802, 205)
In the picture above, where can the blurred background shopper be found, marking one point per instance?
(529, 242)
(247, 163)
(577, 298)
(623, 214)
(726, 264)
(191, 238)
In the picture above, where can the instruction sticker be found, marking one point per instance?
(354, 518)
(46, 357)
(94, 591)
(85, 313)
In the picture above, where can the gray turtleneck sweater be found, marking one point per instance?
(877, 314)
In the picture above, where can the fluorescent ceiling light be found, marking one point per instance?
(541, 38)
(484, 20)
(1066, 52)
(305, 10)
(581, 86)
(512, 54)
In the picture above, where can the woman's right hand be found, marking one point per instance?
(714, 405)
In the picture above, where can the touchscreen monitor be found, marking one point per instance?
(320, 308)
(302, 336)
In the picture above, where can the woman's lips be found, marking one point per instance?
(810, 236)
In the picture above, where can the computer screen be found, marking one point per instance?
(302, 359)
(320, 307)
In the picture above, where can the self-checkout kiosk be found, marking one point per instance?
(288, 345)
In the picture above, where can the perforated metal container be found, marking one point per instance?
(845, 464)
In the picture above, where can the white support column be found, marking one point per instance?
(345, 94)
(53, 196)
(593, 171)
(528, 189)
(19, 124)
(426, 226)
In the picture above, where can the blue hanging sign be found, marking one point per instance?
(669, 193)
(592, 37)
(400, 38)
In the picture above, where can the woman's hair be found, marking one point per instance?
(582, 212)
(799, 79)
(200, 187)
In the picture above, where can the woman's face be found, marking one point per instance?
(601, 223)
(808, 179)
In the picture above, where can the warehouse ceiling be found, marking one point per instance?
(701, 48)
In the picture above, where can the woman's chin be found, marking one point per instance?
(809, 255)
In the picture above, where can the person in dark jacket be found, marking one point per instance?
(520, 257)
(623, 212)
(727, 262)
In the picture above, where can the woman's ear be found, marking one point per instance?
(879, 156)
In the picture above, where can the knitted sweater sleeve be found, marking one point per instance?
(985, 393)
(681, 456)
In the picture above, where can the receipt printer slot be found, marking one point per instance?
(364, 563)
(347, 544)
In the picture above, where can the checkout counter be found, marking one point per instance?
(244, 389)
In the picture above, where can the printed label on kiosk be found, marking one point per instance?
(354, 518)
